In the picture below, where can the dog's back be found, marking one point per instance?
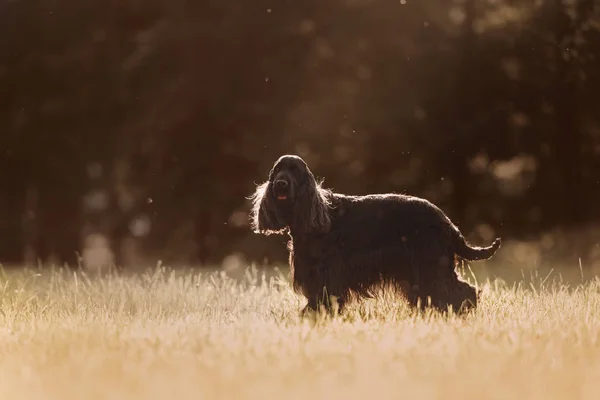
(389, 214)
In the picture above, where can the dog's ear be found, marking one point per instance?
(263, 216)
(311, 208)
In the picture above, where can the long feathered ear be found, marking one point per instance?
(311, 208)
(264, 215)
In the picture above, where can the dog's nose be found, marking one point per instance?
(281, 184)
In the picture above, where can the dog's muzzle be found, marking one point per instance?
(281, 189)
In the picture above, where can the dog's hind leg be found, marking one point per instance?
(430, 256)
(414, 266)
(450, 291)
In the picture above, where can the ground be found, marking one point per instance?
(186, 335)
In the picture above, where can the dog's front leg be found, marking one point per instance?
(330, 303)
(326, 296)
(316, 275)
(315, 299)
(310, 307)
(306, 282)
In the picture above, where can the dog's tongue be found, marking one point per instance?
(282, 197)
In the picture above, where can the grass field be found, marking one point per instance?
(185, 335)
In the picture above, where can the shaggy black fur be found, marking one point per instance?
(342, 245)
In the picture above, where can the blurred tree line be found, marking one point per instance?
(142, 126)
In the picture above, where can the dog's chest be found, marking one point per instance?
(314, 253)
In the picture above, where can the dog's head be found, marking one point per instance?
(291, 198)
(288, 174)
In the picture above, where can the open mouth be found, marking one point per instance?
(281, 197)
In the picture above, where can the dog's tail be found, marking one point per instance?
(466, 251)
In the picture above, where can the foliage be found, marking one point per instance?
(167, 114)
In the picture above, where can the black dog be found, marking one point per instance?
(342, 244)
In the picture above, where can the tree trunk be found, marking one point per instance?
(459, 148)
(11, 228)
(572, 206)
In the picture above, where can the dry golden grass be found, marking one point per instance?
(185, 335)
